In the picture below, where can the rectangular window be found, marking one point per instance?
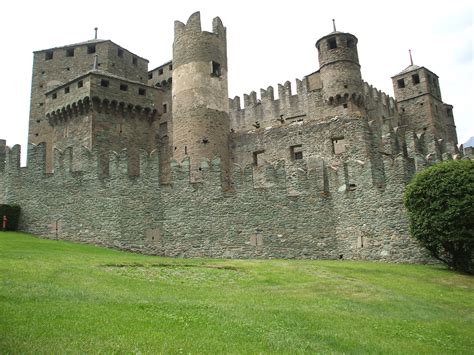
(141, 92)
(415, 78)
(70, 52)
(165, 108)
(256, 158)
(170, 67)
(80, 84)
(104, 83)
(54, 96)
(91, 49)
(401, 83)
(338, 145)
(332, 44)
(48, 55)
(296, 152)
(215, 69)
(150, 75)
(66, 90)
(160, 71)
(120, 52)
(135, 60)
(123, 87)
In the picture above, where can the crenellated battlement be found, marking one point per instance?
(193, 26)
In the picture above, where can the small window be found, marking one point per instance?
(123, 87)
(165, 108)
(48, 55)
(70, 52)
(170, 67)
(296, 152)
(104, 83)
(38, 121)
(332, 43)
(120, 52)
(255, 156)
(401, 83)
(41, 103)
(435, 82)
(80, 84)
(135, 60)
(66, 90)
(150, 75)
(344, 105)
(338, 145)
(91, 49)
(215, 69)
(350, 43)
(415, 78)
(54, 96)
(141, 92)
(160, 71)
(449, 111)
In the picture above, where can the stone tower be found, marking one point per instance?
(418, 95)
(340, 68)
(201, 123)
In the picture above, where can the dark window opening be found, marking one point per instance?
(341, 256)
(351, 187)
(255, 156)
(449, 112)
(43, 72)
(66, 90)
(345, 86)
(421, 104)
(344, 105)
(68, 69)
(91, 49)
(350, 43)
(48, 55)
(135, 60)
(296, 152)
(38, 121)
(41, 103)
(401, 83)
(80, 84)
(54, 96)
(415, 78)
(36, 134)
(141, 92)
(41, 86)
(160, 71)
(120, 52)
(215, 68)
(403, 110)
(104, 83)
(150, 75)
(123, 87)
(186, 149)
(205, 141)
(332, 44)
(70, 52)
(165, 108)
(170, 67)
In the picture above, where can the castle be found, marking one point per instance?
(163, 162)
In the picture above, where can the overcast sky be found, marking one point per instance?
(269, 42)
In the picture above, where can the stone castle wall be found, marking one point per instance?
(301, 209)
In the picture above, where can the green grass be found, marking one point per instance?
(58, 297)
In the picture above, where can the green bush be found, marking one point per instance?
(13, 216)
(440, 203)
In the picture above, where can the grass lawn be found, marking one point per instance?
(58, 297)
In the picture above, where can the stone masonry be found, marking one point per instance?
(162, 162)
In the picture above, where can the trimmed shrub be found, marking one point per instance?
(13, 216)
(440, 203)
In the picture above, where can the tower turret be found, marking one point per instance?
(340, 68)
(201, 123)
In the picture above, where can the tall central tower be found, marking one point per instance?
(201, 123)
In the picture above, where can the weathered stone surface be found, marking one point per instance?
(164, 163)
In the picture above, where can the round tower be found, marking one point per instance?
(340, 68)
(201, 122)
